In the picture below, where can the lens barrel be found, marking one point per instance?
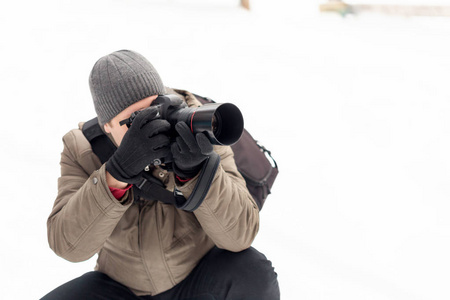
(222, 122)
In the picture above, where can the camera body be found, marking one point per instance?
(222, 123)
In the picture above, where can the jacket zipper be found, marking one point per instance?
(141, 206)
(161, 250)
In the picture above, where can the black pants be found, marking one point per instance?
(219, 275)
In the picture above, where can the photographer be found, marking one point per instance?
(147, 247)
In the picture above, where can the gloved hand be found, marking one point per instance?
(145, 141)
(189, 151)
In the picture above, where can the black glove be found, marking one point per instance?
(189, 151)
(145, 141)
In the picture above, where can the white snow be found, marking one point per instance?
(355, 110)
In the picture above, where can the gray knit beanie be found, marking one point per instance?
(120, 79)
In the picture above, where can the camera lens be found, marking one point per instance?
(216, 124)
(222, 122)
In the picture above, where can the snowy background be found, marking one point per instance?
(355, 110)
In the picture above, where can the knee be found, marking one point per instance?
(265, 280)
(256, 275)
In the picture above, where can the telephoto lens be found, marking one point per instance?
(222, 122)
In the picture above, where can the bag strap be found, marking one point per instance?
(102, 146)
(267, 151)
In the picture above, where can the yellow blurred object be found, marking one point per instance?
(245, 4)
(388, 9)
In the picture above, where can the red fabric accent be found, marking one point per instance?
(183, 180)
(118, 193)
(192, 120)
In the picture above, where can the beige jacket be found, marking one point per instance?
(148, 246)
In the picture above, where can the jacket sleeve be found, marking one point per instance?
(85, 212)
(228, 214)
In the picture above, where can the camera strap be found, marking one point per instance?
(150, 187)
(202, 186)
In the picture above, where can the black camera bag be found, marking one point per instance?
(253, 160)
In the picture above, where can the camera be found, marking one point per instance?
(222, 123)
